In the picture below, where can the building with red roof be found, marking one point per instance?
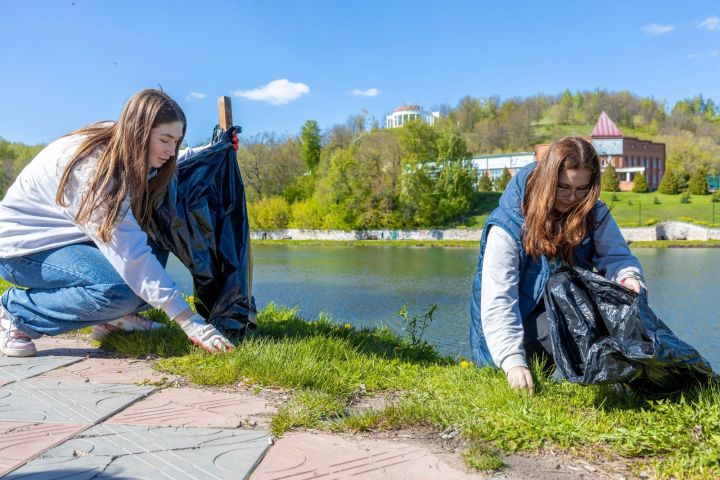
(628, 155)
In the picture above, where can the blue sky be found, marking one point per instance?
(67, 63)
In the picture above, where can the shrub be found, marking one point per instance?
(270, 213)
(609, 181)
(614, 198)
(698, 182)
(669, 183)
(685, 198)
(640, 184)
(656, 200)
(307, 214)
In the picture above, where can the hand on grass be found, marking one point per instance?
(520, 378)
(204, 335)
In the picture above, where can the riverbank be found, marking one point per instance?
(659, 232)
(474, 244)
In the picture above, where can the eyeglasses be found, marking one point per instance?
(567, 192)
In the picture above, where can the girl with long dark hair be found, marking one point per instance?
(549, 215)
(72, 232)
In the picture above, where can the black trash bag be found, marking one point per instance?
(203, 220)
(603, 333)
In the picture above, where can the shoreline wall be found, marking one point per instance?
(660, 231)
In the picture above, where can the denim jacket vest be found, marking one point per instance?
(533, 273)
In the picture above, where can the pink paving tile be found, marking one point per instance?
(67, 346)
(191, 407)
(107, 370)
(20, 442)
(301, 456)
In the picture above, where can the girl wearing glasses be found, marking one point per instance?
(549, 215)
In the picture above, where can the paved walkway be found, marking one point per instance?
(71, 412)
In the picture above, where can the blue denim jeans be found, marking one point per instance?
(66, 288)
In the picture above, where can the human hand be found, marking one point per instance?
(631, 284)
(520, 378)
(204, 335)
(235, 141)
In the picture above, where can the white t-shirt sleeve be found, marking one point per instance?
(499, 307)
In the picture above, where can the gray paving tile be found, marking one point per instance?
(14, 368)
(66, 402)
(137, 452)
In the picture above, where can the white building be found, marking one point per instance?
(408, 113)
(494, 164)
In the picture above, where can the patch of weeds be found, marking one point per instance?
(415, 327)
(483, 457)
(308, 409)
(359, 422)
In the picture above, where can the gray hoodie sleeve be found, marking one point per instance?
(613, 258)
(499, 307)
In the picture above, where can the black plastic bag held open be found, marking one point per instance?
(603, 333)
(203, 220)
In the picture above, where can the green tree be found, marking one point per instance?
(416, 198)
(451, 146)
(485, 184)
(503, 180)
(669, 183)
(419, 140)
(640, 183)
(698, 182)
(454, 187)
(310, 141)
(610, 181)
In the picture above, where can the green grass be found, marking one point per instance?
(638, 209)
(328, 366)
(677, 244)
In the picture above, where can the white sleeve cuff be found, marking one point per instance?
(512, 361)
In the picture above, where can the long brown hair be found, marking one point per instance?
(547, 232)
(122, 167)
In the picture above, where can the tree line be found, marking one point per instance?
(356, 175)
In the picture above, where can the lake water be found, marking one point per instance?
(366, 286)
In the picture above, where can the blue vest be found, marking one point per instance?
(533, 273)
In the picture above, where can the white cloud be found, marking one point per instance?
(714, 53)
(195, 96)
(655, 29)
(277, 92)
(711, 24)
(370, 92)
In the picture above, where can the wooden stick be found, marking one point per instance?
(225, 113)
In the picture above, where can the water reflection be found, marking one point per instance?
(367, 286)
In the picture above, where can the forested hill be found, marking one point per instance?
(356, 175)
(13, 157)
